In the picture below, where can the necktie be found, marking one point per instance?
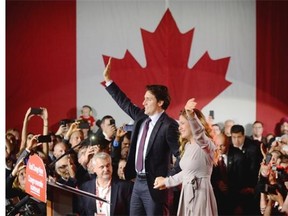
(222, 161)
(139, 164)
(223, 169)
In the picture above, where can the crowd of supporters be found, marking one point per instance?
(250, 176)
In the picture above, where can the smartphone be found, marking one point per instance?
(66, 121)
(211, 113)
(112, 121)
(25, 161)
(270, 189)
(44, 139)
(268, 158)
(128, 127)
(36, 111)
(84, 125)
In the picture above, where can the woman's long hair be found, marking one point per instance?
(207, 127)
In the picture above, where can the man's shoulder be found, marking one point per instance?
(87, 184)
(166, 118)
(120, 182)
(123, 185)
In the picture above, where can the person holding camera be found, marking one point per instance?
(149, 156)
(107, 129)
(272, 183)
(74, 136)
(32, 112)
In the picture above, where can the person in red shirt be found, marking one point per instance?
(87, 115)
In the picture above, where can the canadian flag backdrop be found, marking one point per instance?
(231, 56)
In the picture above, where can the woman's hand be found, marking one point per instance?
(73, 127)
(190, 106)
(32, 142)
(17, 167)
(159, 183)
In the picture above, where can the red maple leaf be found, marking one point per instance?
(167, 52)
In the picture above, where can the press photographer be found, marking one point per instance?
(272, 182)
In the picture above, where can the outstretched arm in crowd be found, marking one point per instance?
(31, 143)
(24, 129)
(44, 116)
(73, 127)
(28, 116)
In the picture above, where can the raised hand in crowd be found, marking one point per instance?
(31, 143)
(111, 131)
(73, 127)
(62, 130)
(17, 167)
(120, 133)
(31, 112)
(44, 116)
(27, 117)
(86, 153)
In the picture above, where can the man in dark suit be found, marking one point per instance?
(149, 155)
(227, 175)
(116, 192)
(252, 159)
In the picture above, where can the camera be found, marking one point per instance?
(66, 121)
(282, 173)
(84, 125)
(128, 127)
(211, 113)
(112, 121)
(268, 158)
(96, 140)
(44, 139)
(93, 139)
(36, 111)
(271, 189)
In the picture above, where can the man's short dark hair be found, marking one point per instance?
(258, 122)
(237, 129)
(106, 117)
(161, 93)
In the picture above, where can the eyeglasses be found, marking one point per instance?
(63, 166)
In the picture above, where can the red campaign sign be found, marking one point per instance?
(36, 178)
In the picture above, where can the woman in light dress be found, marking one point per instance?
(197, 158)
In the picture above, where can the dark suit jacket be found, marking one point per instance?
(120, 197)
(235, 171)
(163, 141)
(228, 200)
(253, 157)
